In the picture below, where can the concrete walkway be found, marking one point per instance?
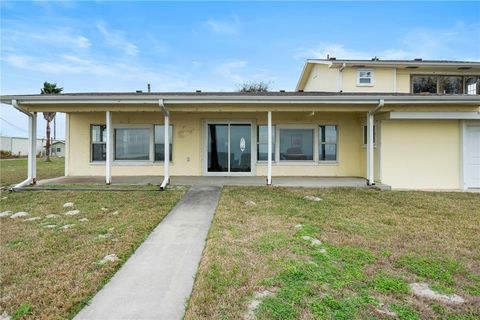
(158, 278)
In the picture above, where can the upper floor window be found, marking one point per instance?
(472, 85)
(364, 78)
(445, 84)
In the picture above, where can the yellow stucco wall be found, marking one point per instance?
(188, 143)
(420, 154)
(322, 78)
(383, 80)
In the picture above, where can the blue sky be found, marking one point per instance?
(184, 46)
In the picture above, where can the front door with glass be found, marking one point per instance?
(229, 148)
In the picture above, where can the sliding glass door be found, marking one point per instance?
(229, 148)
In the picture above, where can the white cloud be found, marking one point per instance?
(224, 27)
(110, 72)
(455, 43)
(60, 37)
(231, 70)
(115, 39)
(332, 49)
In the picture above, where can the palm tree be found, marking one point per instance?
(49, 88)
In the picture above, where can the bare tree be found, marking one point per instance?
(249, 86)
(49, 88)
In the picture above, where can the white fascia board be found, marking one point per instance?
(368, 63)
(435, 115)
(234, 99)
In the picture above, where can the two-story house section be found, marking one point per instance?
(390, 76)
(416, 144)
(411, 124)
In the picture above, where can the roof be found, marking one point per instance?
(375, 62)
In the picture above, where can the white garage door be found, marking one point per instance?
(472, 156)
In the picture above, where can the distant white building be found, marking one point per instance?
(58, 149)
(19, 146)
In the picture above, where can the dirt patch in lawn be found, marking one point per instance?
(371, 247)
(53, 265)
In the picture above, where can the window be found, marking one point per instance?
(365, 137)
(98, 138)
(296, 144)
(262, 143)
(160, 142)
(327, 143)
(450, 84)
(472, 85)
(424, 84)
(446, 84)
(364, 77)
(59, 150)
(132, 144)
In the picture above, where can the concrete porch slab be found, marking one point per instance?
(305, 182)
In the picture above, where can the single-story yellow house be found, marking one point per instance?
(410, 124)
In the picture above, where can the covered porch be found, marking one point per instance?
(247, 139)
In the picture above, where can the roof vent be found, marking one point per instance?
(282, 90)
(139, 91)
(198, 91)
(418, 59)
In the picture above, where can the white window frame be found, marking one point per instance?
(172, 136)
(314, 127)
(375, 134)
(91, 143)
(274, 131)
(253, 146)
(372, 77)
(336, 143)
(150, 128)
(315, 161)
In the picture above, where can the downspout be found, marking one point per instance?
(166, 153)
(340, 78)
(370, 144)
(29, 179)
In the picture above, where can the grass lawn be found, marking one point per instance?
(15, 171)
(373, 245)
(50, 267)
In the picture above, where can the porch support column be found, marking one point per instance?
(32, 148)
(269, 135)
(108, 158)
(370, 144)
(370, 159)
(166, 143)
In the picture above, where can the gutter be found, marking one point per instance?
(238, 99)
(29, 179)
(381, 104)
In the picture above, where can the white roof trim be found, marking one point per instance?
(435, 115)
